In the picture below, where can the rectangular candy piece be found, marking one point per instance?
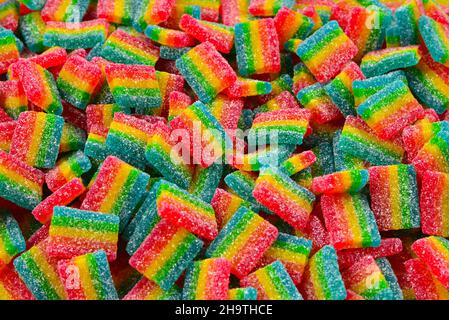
(20, 183)
(340, 88)
(433, 204)
(425, 286)
(123, 47)
(38, 270)
(9, 51)
(407, 18)
(161, 157)
(364, 89)
(6, 133)
(390, 110)
(169, 37)
(127, 138)
(291, 24)
(11, 239)
(436, 39)
(286, 126)
(379, 62)
(32, 28)
(433, 155)
(76, 232)
(150, 12)
(61, 197)
(235, 11)
(247, 293)
(206, 71)
(291, 202)
(78, 81)
(243, 241)
(62, 10)
(284, 100)
(315, 99)
(350, 181)
(434, 253)
(327, 51)
(227, 110)
(177, 102)
(298, 162)
(87, 277)
(394, 197)
(221, 36)
(245, 87)
(242, 183)
(9, 14)
(322, 279)
(257, 53)
(366, 279)
(115, 11)
(72, 138)
(225, 205)
(36, 138)
(185, 210)
(117, 190)
(272, 283)
(74, 35)
(205, 181)
(165, 254)
(12, 287)
(39, 85)
(134, 86)
(358, 140)
(148, 290)
(350, 221)
(390, 275)
(292, 251)
(302, 78)
(207, 280)
(12, 98)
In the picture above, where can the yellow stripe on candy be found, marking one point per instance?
(320, 57)
(4, 293)
(19, 179)
(369, 282)
(267, 284)
(62, 9)
(66, 170)
(286, 256)
(256, 46)
(201, 288)
(352, 221)
(445, 207)
(134, 83)
(85, 278)
(396, 216)
(441, 250)
(315, 279)
(119, 8)
(204, 69)
(33, 149)
(241, 240)
(115, 190)
(389, 110)
(75, 233)
(3, 255)
(272, 123)
(128, 130)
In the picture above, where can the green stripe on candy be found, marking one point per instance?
(200, 81)
(362, 220)
(125, 191)
(87, 224)
(318, 46)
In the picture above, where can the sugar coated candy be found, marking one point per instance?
(351, 181)
(247, 293)
(12, 242)
(12, 287)
(436, 38)
(148, 290)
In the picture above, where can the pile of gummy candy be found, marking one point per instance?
(106, 191)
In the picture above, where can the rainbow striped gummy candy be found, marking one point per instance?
(235, 11)
(434, 253)
(327, 51)
(72, 138)
(63, 10)
(433, 204)
(148, 290)
(358, 140)
(117, 190)
(379, 62)
(76, 232)
(134, 86)
(288, 126)
(6, 133)
(39, 85)
(432, 155)
(245, 87)
(390, 110)
(169, 37)
(315, 99)
(205, 181)
(407, 19)
(67, 168)
(272, 283)
(436, 38)
(87, 277)
(350, 181)
(209, 8)
(185, 210)
(390, 275)
(322, 279)
(152, 12)
(298, 162)
(366, 279)
(9, 14)
(349, 221)
(207, 280)
(302, 78)
(125, 47)
(284, 100)
(227, 111)
(364, 89)
(394, 197)
(429, 83)
(243, 241)
(74, 35)
(263, 156)
(248, 293)
(292, 24)
(38, 270)
(225, 205)
(52, 57)
(115, 11)
(165, 254)
(160, 156)
(127, 138)
(32, 28)
(9, 50)
(168, 83)
(292, 46)
(177, 102)
(36, 138)
(268, 8)
(292, 251)
(78, 81)
(12, 98)
(256, 53)
(221, 36)
(12, 287)
(279, 193)
(340, 88)
(11, 239)
(20, 183)
(206, 71)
